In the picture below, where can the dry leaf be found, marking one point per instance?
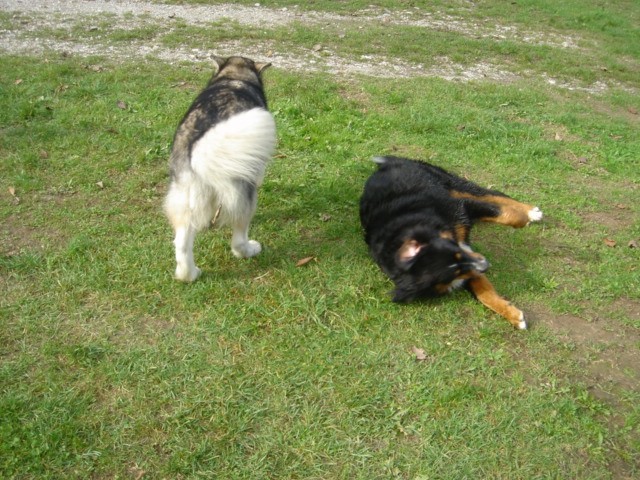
(633, 111)
(325, 217)
(304, 261)
(621, 206)
(419, 353)
(633, 244)
(137, 472)
(610, 243)
(122, 105)
(557, 137)
(582, 160)
(12, 191)
(100, 184)
(43, 154)
(18, 81)
(317, 47)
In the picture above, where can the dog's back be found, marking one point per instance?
(229, 118)
(220, 152)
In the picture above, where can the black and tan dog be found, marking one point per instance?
(417, 218)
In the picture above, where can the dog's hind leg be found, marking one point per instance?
(511, 212)
(187, 208)
(240, 209)
(499, 209)
(484, 291)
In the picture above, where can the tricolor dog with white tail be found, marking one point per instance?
(220, 152)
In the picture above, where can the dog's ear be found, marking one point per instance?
(220, 61)
(260, 66)
(408, 252)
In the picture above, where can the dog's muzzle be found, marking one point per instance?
(481, 265)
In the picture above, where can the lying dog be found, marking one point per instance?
(417, 218)
(220, 151)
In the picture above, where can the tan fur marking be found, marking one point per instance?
(461, 232)
(487, 295)
(512, 213)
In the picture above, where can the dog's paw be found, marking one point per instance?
(535, 214)
(187, 274)
(247, 250)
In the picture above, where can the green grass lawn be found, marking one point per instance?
(264, 369)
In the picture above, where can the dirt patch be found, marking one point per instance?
(16, 237)
(260, 16)
(612, 221)
(35, 16)
(608, 357)
(608, 352)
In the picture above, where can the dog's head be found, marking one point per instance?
(433, 266)
(239, 68)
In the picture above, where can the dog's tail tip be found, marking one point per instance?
(380, 160)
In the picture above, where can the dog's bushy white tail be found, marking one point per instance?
(238, 148)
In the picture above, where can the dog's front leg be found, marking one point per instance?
(483, 290)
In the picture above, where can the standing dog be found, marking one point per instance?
(220, 151)
(417, 218)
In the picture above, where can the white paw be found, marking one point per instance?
(187, 274)
(535, 214)
(522, 325)
(247, 250)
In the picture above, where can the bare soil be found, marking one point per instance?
(32, 16)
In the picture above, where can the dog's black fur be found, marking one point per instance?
(417, 218)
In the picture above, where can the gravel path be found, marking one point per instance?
(33, 16)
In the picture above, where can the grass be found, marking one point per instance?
(262, 369)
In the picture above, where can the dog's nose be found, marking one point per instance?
(481, 265)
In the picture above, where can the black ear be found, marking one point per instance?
(408, 252)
